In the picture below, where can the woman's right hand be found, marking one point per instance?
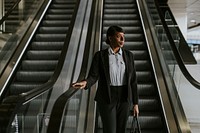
(79, 85)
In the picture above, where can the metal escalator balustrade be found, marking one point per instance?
(125, 14)
(40, 61)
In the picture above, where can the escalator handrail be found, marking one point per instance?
(9, 12)
(60, 104)
(13, 103)
(179, 59)
(183, 43)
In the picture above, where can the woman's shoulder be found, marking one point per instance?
(102, 51)
(128, 52)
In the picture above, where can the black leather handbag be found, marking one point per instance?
(135, 126)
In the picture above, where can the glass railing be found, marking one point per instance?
(71, 116)
(172, 28)
(15, 16)
(181, 85)
(32, 116)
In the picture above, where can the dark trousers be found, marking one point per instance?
(114, 116)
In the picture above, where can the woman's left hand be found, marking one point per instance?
(135, 110)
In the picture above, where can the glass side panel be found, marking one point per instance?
(180, 89)
(33, 116)
(172, 28)
(15, 26)
(71, 118)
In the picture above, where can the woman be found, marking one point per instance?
(117, 85)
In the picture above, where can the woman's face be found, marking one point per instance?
(117, 40)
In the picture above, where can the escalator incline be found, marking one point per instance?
(41, 58)
(125, 14)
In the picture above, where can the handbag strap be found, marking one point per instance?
(135, 125)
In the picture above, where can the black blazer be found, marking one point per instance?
(100, 71)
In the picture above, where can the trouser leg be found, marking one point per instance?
(114, 115)
(108, 117)
(122, 116)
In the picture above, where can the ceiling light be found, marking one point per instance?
(193, 21)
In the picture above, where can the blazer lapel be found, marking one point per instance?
(105, 61)
(126, 63)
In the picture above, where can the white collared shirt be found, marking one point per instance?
(116, 68)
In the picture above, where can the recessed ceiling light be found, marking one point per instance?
(192, 21)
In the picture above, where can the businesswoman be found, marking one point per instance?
(117, 84)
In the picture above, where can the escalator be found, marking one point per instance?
(156, 109)
(44, 50)
(39, 64)
(125, 14)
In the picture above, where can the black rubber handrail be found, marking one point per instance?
(9, 12)
(12, 104)
(179, 59)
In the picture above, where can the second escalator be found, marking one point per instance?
(41, 57)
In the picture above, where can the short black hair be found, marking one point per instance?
(112, 31)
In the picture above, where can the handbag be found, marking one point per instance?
(135, 126)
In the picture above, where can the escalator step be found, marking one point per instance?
(142, 65)
(50, 37)
(43, 55)
(146, 89)
(119, 6)
(144, 76)
(140, 54)
(150, 104)
(121, 22)
(62, 6)
(19, 87)
(59, 11)
(33, 76)
(120, 11)
(53, 30)
(39, 65)
(58, 17)
(47, 45)
(119, 17)
(54, 23)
